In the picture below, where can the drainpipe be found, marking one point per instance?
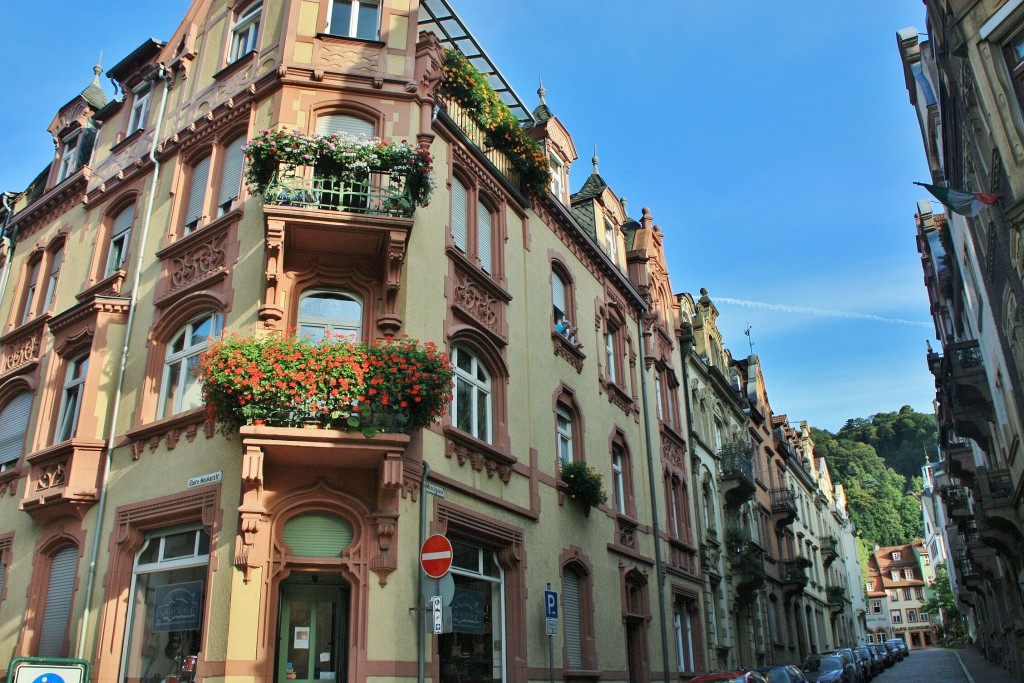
(159, 72)
(658, 563)
(421, 636)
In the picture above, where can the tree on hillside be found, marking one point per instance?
(875, 494)
(904, 439)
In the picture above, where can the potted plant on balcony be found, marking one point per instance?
(584, 484)
(285, 381)
(340, 156)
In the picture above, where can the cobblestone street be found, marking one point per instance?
(938, 665)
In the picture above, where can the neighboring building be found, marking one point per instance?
(964, 81)
(134, 535)
(897, 579)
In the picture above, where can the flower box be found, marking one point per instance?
(284, 381)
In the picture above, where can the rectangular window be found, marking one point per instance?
(618, 480)
(919, 593)
(611, 240)
(564, 436)
(876, 606)
(231, 175)
(165, 613)
(896, 616)
(140, 107)
(484, 237)
(197, 195)
(911, 615)
(30, 292)
(57, 606)
(908, 574)
(896, 556)
(119, 234)
(460, 214)
(355, 19)
(572, 619)
(475, 649)
(906, 594)
(610, 353)
(894, 596)
(71, 400)
(555, 165)
(682, 622)
(56, 260)
(69, 157)
(895, 574)
(245, 33)
(924, 616)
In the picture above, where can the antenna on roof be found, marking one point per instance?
(750, 341)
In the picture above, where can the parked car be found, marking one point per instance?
(867, 669)
(782, 674)
(877, 666)
(896, 650)
(902, 644)
(885, 653)
(826, 668)
(732, 677)
(858, 675)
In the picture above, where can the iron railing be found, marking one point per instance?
(379, 194)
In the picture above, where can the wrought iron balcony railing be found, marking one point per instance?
(784, 500)
(380, 194)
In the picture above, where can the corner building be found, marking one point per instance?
(293, 553)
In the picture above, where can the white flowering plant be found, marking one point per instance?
(342, 156)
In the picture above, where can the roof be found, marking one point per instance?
(591, 189)
(93, 93)
(140, 55)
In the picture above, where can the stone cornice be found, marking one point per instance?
(55, 202)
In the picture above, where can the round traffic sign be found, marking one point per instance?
(436, 556)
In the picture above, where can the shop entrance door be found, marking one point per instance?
(313, 629)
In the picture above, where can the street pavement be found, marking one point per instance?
(938, 665)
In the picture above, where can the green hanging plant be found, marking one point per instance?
(584, 484)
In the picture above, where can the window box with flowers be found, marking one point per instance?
(469, 91)
(284, 381)
(584, 484)
(339, 171)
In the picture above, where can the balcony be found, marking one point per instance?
(967, 390)
(836, 598)
(960, 458)
(382, 194)
(475, 135)
(737, 473)
(784, 506)
(957, 506)
(793, 576)
(999, 521)
(64, 479)
(747, 561)
(829, 550)
(967, 570)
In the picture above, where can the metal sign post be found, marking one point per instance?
(551, 626)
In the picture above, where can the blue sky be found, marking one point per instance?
(773, 141)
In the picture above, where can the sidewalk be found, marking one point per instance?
(980, 669)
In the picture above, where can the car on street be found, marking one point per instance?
(885, 653)
(788, 673)
(827, 668)
(846, 653)
(867, 668)
(877, 666)
(897, 651)
(901, 644)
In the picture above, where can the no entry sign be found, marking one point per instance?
(436, 556)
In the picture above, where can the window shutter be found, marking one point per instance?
(123, 222)
(231, 175)
(58, 602)
(483, 236)
(571, 607)
(460, 229)
(317, 535)
(558, 293)
(197, 191)
(13, 425)
(3, 577)
(343, 123)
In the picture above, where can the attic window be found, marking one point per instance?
(896, 556)
(140, 107)
(610, 239)
(69, 156)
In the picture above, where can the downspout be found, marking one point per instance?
(655, 527)
(160, 72)
(421, 598)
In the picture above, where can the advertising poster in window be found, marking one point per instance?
(467, 611)
(179, 606)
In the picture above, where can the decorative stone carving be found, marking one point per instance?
(350, 58)
(475, 301)
(22, 349)
(51, 476)
(480, 456)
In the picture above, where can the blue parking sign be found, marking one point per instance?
(551, 604)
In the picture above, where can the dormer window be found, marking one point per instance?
(556, 175)
(69, 156)
(140, 107)
(896, 555)
(610, 239)
(355, 19)
(245, 33)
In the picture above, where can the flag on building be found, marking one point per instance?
(959, 201)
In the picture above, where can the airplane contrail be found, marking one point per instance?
(818, 311)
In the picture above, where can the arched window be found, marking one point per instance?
(120, 232)
(245, 34)
(14, 418)
(332, 313)
(56, 609)
(345, 123)
(471, 404)
(564, 429)
(180, 388)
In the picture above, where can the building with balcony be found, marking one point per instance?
(963, 79)
(178, 502)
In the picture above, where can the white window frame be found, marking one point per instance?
(69, 155)
(31, 285)
(556, 167)
(619, 478)
(140, 108)
(480, 574)
(71, 399)
(896, 555)
(477, 387)
(336, 327)
(684, 637)
(352, 30)
(609, 355)
(56, 261)
(245, 34)
(120, 234)
(563, 428)
(180, 359)
(611, 240)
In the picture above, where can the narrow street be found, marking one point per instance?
(939, 665)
